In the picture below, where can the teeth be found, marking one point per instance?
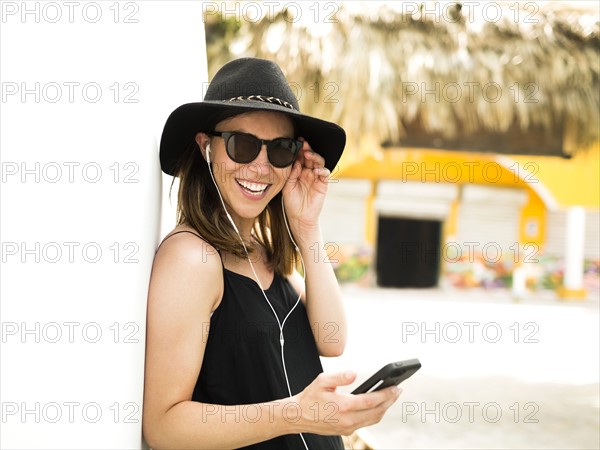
(254, 187)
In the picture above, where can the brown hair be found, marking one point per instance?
(200, 208)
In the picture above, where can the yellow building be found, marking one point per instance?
(451, 96)
(421, 218)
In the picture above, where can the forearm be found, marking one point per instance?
(198, 425)
(324, 303)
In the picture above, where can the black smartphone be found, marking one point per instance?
(390, 375)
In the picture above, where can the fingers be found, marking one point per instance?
(316, 163)
(311, 160)
(372, 407)
(332, 380)
(358, 411)
(342, 413)
(296, 170)
(385, 396)
(322, 172)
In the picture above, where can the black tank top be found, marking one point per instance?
(242, 362)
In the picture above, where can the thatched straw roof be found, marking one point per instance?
(456, 77)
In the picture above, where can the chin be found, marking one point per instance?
(251, 211)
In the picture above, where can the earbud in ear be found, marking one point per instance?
(208, 153)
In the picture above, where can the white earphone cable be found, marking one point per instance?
(281, 324)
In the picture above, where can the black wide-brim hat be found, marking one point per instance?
(244, 85)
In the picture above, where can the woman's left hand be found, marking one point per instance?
(305, 190)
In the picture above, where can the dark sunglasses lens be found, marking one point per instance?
(283, 152)
(242, 148)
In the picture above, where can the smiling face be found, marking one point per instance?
(248, 188)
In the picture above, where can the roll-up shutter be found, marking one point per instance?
(343, 216)
(489, 216)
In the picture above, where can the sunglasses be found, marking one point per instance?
(244, 147)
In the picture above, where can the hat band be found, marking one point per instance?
(262, 98)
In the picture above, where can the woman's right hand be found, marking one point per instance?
(328, 412)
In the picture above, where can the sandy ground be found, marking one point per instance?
(496, 374)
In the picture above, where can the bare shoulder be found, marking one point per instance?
(185, 263)
(186, 285)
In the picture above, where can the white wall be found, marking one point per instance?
(80, 218)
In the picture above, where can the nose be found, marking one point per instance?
(262, 154)
(261, 167)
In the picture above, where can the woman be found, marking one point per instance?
(233, 334)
